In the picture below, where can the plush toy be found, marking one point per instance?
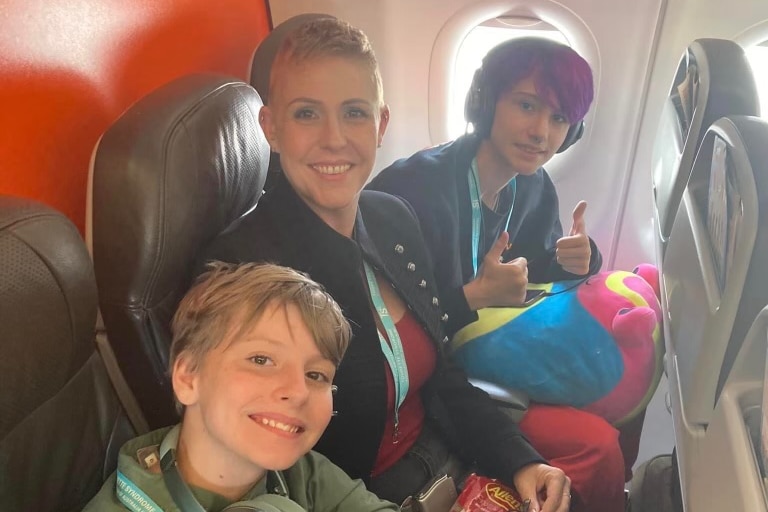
(593, 344)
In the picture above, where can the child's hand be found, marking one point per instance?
(497, 283)
(573, 251)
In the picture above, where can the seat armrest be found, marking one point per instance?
(507, 398)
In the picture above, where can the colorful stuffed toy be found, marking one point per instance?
(593, 344)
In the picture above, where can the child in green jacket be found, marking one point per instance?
(254, 353)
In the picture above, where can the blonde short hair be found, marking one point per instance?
(228, 299)
(326, 37)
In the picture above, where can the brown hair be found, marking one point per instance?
(228, 293)
(326, 37)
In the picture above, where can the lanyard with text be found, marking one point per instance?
(477, 211)
(393, 351)
(132, 496)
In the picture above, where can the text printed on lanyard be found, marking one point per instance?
(132, 496)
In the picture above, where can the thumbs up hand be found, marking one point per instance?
(573, 251)
(497, 283)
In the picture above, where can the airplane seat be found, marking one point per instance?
(170, 174)
(61, 423)
(715, 276)
(714, 79)
(734, 453)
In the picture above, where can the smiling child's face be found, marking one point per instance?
(258, 402)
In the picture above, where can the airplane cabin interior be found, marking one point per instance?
(132, 140)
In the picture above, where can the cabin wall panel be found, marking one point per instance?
(69, 69)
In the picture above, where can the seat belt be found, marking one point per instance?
(124, 393)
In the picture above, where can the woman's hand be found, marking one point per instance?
(547, 487)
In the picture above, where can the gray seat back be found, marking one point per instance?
(61, 424)
(715, 270)
(732, 455)
(714, 79)
(169, 175)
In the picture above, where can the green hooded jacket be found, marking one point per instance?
(314, 484)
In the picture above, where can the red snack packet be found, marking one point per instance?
(483, 494)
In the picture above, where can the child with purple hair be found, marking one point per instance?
(490, 217)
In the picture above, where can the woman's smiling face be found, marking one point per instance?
(326, 120)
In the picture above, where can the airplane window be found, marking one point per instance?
(758, 59)
(474, 47)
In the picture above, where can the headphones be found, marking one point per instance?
(480, 105)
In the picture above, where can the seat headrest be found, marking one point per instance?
(60, 421)
(170, 174)
(261, 64)
(713, 79)
(47, 306)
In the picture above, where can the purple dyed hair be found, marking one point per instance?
(557, 69)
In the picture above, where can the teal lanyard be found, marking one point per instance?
(132, 496)
(393, 351)
(477, 211)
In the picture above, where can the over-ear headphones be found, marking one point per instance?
(480, 105)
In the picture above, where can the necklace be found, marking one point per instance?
(495, 206)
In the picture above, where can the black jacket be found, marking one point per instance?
(434, 182)
(283, 230)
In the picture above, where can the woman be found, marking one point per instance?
(404, 412)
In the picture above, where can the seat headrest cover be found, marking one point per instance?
(713, 79)
(176, 169)
(726, 84)
(47, 306)
(261, 63)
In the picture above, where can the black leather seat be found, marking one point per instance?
(714, 79)
(171, 173)
(61, 424)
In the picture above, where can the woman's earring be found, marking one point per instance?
(334, 389)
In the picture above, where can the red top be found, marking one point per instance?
(421, 355)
